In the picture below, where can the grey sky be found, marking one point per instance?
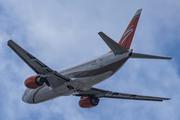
(63, 33)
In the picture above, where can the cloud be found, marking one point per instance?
(62, 33)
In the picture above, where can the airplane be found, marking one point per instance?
(78, 80)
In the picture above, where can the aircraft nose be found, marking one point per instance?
(28, 97)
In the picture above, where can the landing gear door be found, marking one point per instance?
(101, 62)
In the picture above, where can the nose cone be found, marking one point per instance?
(28, 96)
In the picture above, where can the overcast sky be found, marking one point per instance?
(63, 33)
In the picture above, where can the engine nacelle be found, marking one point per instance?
(33, 82)
(88, 102)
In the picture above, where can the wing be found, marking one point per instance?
(54, 78)
(29, 59)
(109, 94)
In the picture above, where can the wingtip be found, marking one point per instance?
(9, 41)
(166, 99)
(100, 32)
(167, 58)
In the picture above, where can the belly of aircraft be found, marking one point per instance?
(45, 93)
(83, 82)
(93, 80)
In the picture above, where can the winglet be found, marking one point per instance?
(115, 47)
(127, 37)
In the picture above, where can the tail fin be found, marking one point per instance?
(127, 37)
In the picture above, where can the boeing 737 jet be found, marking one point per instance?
(78, 80)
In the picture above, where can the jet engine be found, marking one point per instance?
(88, 102)
(34, 82)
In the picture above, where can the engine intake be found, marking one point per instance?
(39, 80)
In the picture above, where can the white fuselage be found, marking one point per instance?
(83, 76)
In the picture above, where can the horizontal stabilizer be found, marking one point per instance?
(115, 47)
(145, 56)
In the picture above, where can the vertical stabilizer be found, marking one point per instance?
(127, 37)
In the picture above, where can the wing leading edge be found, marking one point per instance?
(109, 94)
